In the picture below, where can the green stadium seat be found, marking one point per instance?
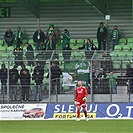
(3, 49)
(1, 42)
(122, 44)
(95, 42)
(58, 47)
(10, 49)
(4, 57)
(24, 41)
(118, 48)
(116, 64)
(114, 54)
(129, 40)
(123, 40)
(76, 55)
(80, 42)
(72, 41)
(129, 54)
(124, 63)
(30, 41)
(121, 54)
(75, 47)
(130, 44)
(126, 48)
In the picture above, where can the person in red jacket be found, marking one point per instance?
(80, 99)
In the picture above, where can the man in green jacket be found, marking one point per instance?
(112, 82)
(66, 38)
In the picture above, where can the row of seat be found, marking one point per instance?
(124, 43)
(122, 54)
(123, 47)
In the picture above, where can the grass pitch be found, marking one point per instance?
(66, 126)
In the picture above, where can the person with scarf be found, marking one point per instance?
(19, 36)
(101, 36)
(89, 48)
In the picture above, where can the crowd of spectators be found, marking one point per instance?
(47, 42)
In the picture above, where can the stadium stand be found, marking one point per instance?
(82, 21)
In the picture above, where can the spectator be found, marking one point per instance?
(19, 35)
(115, 36)
(23, 68)
(38, 78)
(101, 36)
(9, 37)
(49, 43)
(66, 38)
(49, 30)
(89, 47)
(112, 82)
(56, 72)
(3, 77)
(29, 54)
(18, 52)
(25, 83)
(100, 80)
(129, 75)
(39, 38)
(54, 39)
(101, 73)
(13, 79)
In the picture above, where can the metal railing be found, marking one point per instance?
(93, 72)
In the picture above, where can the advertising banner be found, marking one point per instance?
(68, 111)
(22, 111)
(64, 111)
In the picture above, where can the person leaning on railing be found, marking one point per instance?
(89, 48)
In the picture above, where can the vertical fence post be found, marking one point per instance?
(49, 82)
(91, 82)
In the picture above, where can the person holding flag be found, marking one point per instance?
(80, 100)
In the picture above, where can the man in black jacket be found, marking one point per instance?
(56, 73)
(25, 83)
(101, 36)
(38, 81)
(3, 77)
(13, 79)
(39, 38)
(9, 37)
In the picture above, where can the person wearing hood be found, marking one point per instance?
(101, 36)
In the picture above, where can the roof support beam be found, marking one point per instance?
(31, 5)
(101, 7)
